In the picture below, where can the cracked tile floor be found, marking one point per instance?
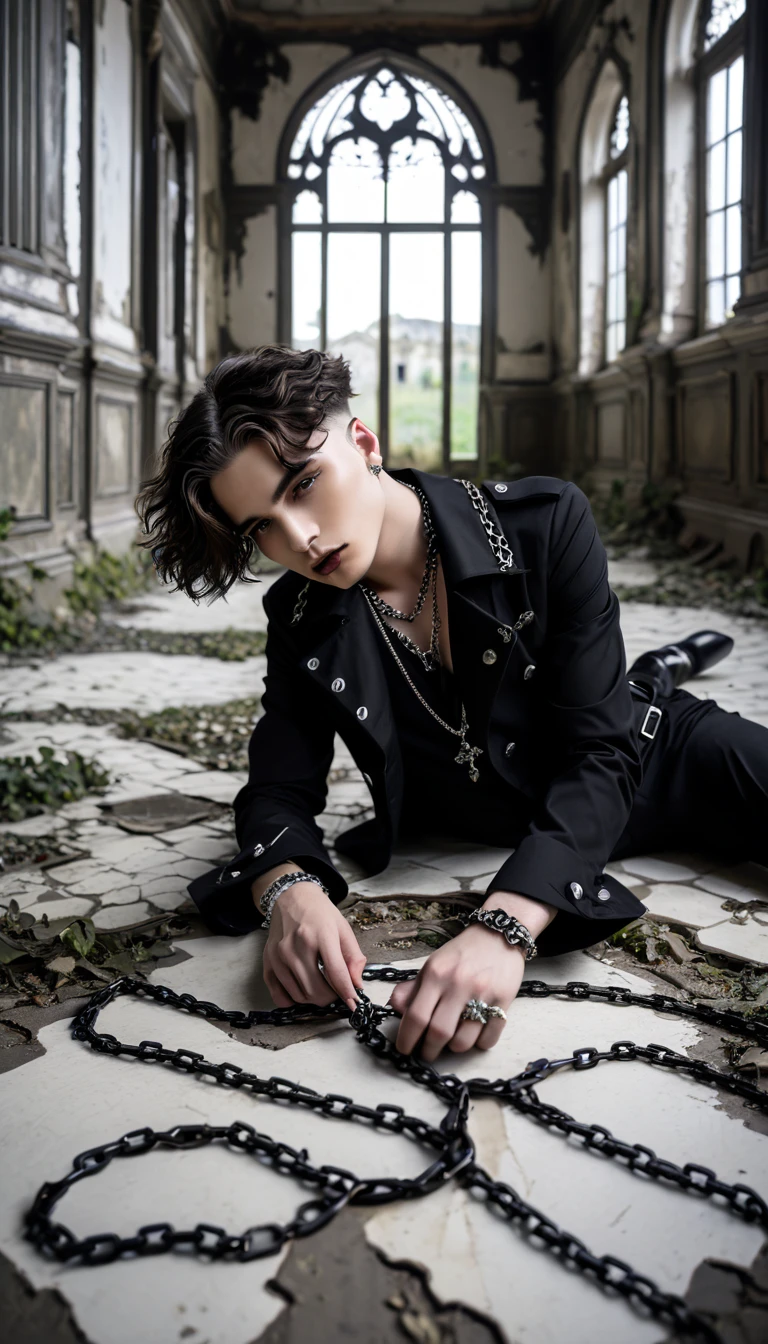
(68, 1098)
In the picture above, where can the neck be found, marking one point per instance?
(401, 554)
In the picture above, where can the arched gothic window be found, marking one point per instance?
(604, 220)
(616, 238)
(721, 72)
(385, 264)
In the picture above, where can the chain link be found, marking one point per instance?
(498, 542)
(336, 1187)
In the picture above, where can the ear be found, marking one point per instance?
(365, 441)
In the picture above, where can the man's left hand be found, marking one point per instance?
(477, 964)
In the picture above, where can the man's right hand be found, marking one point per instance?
(306, 925)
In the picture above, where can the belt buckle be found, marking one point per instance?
(645, 731)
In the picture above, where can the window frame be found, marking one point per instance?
(481, 188)
(727, 49)
(611, 171)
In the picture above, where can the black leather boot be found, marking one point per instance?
(668, 667)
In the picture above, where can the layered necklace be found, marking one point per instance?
(431, 657)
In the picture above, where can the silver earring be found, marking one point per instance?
(374, 470)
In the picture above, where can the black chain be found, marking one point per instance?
(451, 1141)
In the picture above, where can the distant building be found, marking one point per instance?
(415, 351)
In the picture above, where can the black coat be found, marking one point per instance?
(553, 712)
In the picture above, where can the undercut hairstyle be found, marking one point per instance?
(273, 393)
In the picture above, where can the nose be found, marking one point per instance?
(300, 533)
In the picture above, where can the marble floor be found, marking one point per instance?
(68, 1098)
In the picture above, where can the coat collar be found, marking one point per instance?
(464, 548)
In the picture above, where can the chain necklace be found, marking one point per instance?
(455, 1154)
(466, 754)
(430, 658)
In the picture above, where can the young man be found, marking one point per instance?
(465, 644)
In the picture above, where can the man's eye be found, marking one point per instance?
(308, 481)
(263, 523)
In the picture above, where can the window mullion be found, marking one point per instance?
(447, 345)
(384, 349)
(324, 288)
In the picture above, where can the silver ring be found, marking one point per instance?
(477, 1010)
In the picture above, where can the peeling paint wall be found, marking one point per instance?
(252, 300)
(85, 386)
(522, 339)
(254, 144)
(210, 229)
(113, 211)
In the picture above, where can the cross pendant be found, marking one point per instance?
(466, 756)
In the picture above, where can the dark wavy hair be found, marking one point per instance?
(272, 393)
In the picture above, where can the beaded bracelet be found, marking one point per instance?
(281, 884)
(499, 921)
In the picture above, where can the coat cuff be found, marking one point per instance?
(544, 869)
(223, 895)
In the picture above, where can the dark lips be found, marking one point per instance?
(331, 562)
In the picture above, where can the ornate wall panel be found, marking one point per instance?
(65, 449)
(705, 427)
(114, 446)
(611, 431)
(636, 435)
(24, 435)
(761, 428)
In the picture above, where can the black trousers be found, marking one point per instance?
(704, 790)
(704, 787)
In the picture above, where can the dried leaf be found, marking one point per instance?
(679, 948)
(755, 1058)
(84, 965)
(9, 953)
(120, 961)
(62, 965)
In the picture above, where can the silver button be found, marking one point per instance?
(603, 894)
(338, 684)
(258, 850)
(527, 617)
(362, 712)
(529, 671)
(313, 664)
(510, 747)
(501, 488)
(577, 891)
(489, 656)
(236, 873)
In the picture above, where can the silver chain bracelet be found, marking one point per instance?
(499, 921)
(281, 884)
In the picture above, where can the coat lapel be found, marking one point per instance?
(340, 634)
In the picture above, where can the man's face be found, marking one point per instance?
(333, 504)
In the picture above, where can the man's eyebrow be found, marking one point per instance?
(282, 486)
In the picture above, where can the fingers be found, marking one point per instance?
(491, 1032)
(279, 981)
(402, 994)
(445, 1022)
(466, 1036)
(353, 956)
(337, 972)
(418, 1015)
(279, 996)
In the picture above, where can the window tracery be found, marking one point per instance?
(386, 242)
